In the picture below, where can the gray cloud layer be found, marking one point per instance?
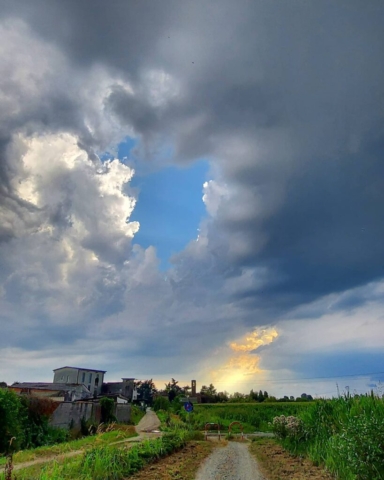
(285, 98)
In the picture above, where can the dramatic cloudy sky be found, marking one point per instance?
(193, 190)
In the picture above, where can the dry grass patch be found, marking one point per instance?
(277, 464)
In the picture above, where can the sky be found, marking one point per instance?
(193, 190)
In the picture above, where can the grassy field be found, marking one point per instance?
(121, 432)
(106, 462)
(345, 434)
(114, 434)
(253, 416)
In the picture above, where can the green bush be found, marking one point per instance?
(25, 420)
(12, 415)
(107, 409)
(161, 403)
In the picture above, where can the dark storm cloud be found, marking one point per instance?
(121, 35)
(302, 83)
(285, 98)
(134, 111)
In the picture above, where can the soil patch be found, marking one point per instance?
(181, 465)
(277, 464)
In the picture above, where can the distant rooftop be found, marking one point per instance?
(80, 368)
(47, 386)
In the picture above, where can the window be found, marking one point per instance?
(67, 378)
(83, 378)
(90, 377)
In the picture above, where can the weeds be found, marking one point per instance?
(9, 468)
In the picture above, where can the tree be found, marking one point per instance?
(210, 391)
(237, 397)
(107, 408)
(161, 403)
(208, 394)
(173, 389)
(271, 399)
(222, 397)
(145, 391)
(11, 415)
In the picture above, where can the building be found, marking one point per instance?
(126, 388)
(59, 392)
(92, 379)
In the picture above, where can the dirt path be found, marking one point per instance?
(144, 428)
(232, 462)
(148, 423)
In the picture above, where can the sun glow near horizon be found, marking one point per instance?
(241, 364)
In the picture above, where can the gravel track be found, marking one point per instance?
(149, 422)
(232, 462)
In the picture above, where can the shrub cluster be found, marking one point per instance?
(25, 421)
(288, 427)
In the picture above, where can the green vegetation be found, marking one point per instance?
(107, 407)
(24, 422)
(146, 389)
(115, 433)
(112, 462)
(161, 403)
(253, 416)
(346, 435)
(136, 414)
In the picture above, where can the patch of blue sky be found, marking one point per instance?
(169, 207)
(125, 148)
(123, 151)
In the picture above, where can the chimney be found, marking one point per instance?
(193, 385)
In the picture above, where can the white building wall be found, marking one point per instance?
(80, 375)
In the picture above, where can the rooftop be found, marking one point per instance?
(80, 368)
(47, 386)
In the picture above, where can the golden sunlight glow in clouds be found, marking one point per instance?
(252, 341)
(241, 366)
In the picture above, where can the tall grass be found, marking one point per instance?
(346, 435)
(113, 463)
(254, 416)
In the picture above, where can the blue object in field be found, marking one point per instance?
(188, 406)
